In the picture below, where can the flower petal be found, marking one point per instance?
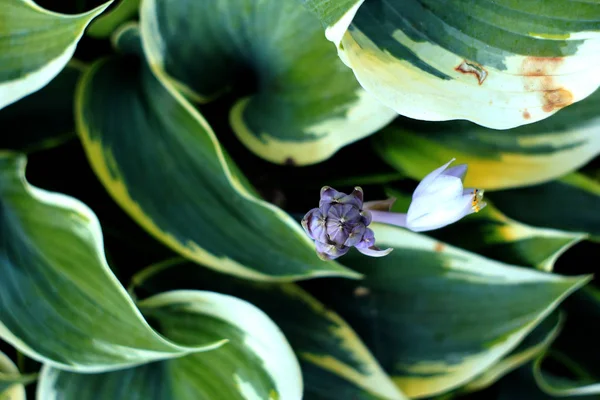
(314, 225)
(329, 252)
(458, 171)
(367, 241)
(430, 178)
(329, 195)
(356, 235)
(375, 251)
(439, 215)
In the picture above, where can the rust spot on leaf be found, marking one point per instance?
(541, 66)
(540, 76)
(526, 114)
(556, 99)
(470, 67)
(439, 247)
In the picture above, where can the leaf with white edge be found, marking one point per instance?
(103, 26)
(60, 303)
(256, 363)
(35, 45)
(522, 156)
(521, 385)
(326, 346)
(575, 349)
(532, 346)
(11, 381)
(492, 234)
(436, 318)
(500, 64)
(571, 203)
(307, 103)
(163, 164)
(45, 118)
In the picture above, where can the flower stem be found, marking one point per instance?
(390, 218)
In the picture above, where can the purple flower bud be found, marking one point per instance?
(339, 223)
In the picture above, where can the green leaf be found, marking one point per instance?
(162, 163)
(437, 318)
(11, 381)
(60, 302)
(497, 159)
(520, 384)
(576, 349)
(35, 45)
(492, 234)
(45, 118)
(307, 103)
(500, 64)
(571, 203)
(330, 352)
(103, 26)
(256, 363)
(532, 346)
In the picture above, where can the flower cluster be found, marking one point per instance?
(341, 221)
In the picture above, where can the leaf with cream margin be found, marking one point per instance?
(518, 157)
(571, 203)
(494, 235)
(43, 119)
(575, 349)
(437, 318)
(11, 381)
(35, 45)
(256, 363)
(60, 303)
(162, 163)
(520, 385)
(538, 341)
(500, 64)
(328, 349)
(103, 26)
(307, 103)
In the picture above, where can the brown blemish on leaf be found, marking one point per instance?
(361, 291)
(540, 76)
(541, 66)
(557, 99)
(470, 67)
(526, 114)
(289, 161)
(439, 247)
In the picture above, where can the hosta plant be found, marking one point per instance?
(284, 200)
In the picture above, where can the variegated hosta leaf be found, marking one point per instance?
(521, 385)
(107, 23)
(307, 103)
(35, 45)
(163, 164)
(60, 303)
(330, 352)
(500, 64)
(532, 346)
(492, 234)
(11, 381)
(45, 118)
(497, 159)
(571, 203)
(576, 348)
(256, 363)
(436, 316)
